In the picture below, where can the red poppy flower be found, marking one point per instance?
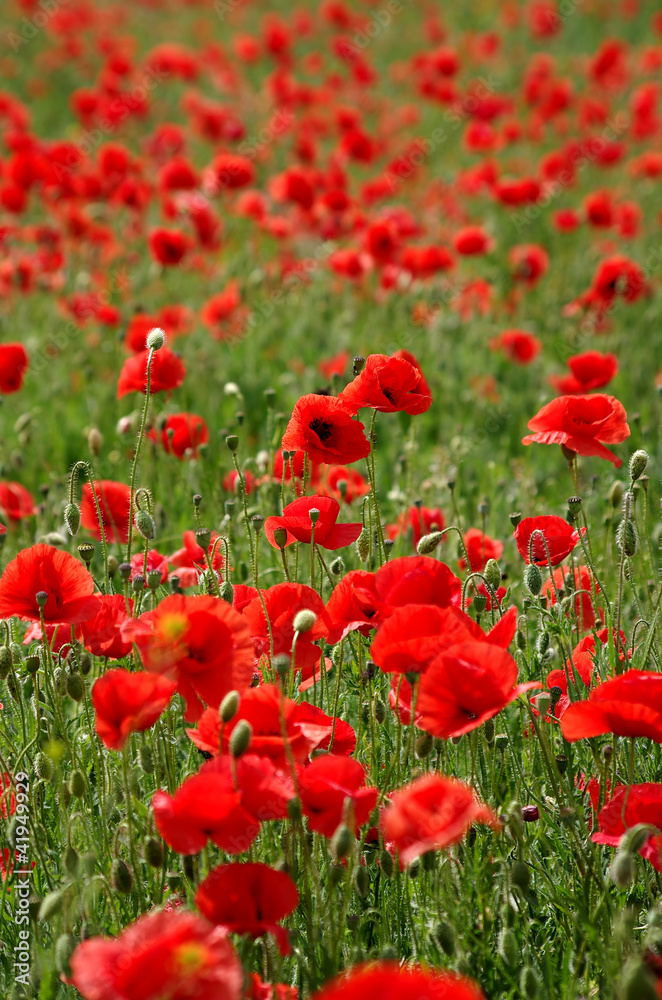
(430, 814)
(327, 785)
(155, 563)
(203, 644)
(414, 635)
(424, 261)
(423, 386)
(532, 534)
(231, 172)
(296, 521)
(307, 728)
(584, 424)
(354, 604)
(15, 501)
(126, 703)
(616, 276)
(282, 602)
(419, 520)
(529, 262)
(627, 705)
(517, 345)
(392, 981)
(591, 370)
(115, 506)
(583, 660)
(45, 569)
(224, 803)
(345, 484)
(388, 385)
(164, 955)
(472, 241)
(294, 466)
(586, 594)
(183, 434)
(257, 990)
(101, 634)
(13, 366)
(417, 580)
(166, 373)
(629, 806)
(249, 898)
(479, 548)
(323, 428)
(466, 685)
(168, 246)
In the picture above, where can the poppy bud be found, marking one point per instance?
(77, 784)
(638, 983)
(492, 574)
(75, 687)
(282, 664)
(85, 664)
(380, 711)
(520, 875)
(529, 983)
(622, 870)
(227, 591)
(121, 878)
(638, 463)
(362, 881)
(488, 730)
(240, 739)
(635, 838)
(71, 861)
(341, 842)
(145, 524)
(153, 851)
(480, 603)
(444, 935)
(423, 746)
(387, 864)
(304, 620)
(229, 706)
(530, 814)
(95, 441)
(72, 518)
(5, 661)
(428, 543)
(508, 947)
(280, 537)
(337, 567)
(43, 767)
(86, 552)
(232, 441)
(533, 579)
(626, 537)
(336, 874)
(51, 905)
(515, 518)
(146, 759)
(155, 339)
(363, 545)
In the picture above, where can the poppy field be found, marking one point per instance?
(330, 539)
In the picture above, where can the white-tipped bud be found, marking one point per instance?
(155, 339)
(304, 620)
(638, 463)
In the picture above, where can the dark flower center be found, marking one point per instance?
(322, 428)
(388, 393)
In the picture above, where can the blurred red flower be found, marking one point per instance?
(13, 366)
(114, 504)
(15, 501)
(167, 372)
(517, 345)
(591, 370)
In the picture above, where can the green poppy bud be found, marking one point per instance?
(121, 878)
(72, 518)
(240, 740)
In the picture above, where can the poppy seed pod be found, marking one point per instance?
(543, 703)
(240, 740)
(203, 538)
(280, 537)
(145, 524)
(155, 339)
(428, 543)
(638, 463)
(304, 620)
(515, 518)
(232, 441)
(229, 706)
(533, 579)
(72, 518)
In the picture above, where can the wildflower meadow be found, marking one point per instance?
(330, 477)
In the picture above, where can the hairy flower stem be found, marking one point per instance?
(134, 466)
